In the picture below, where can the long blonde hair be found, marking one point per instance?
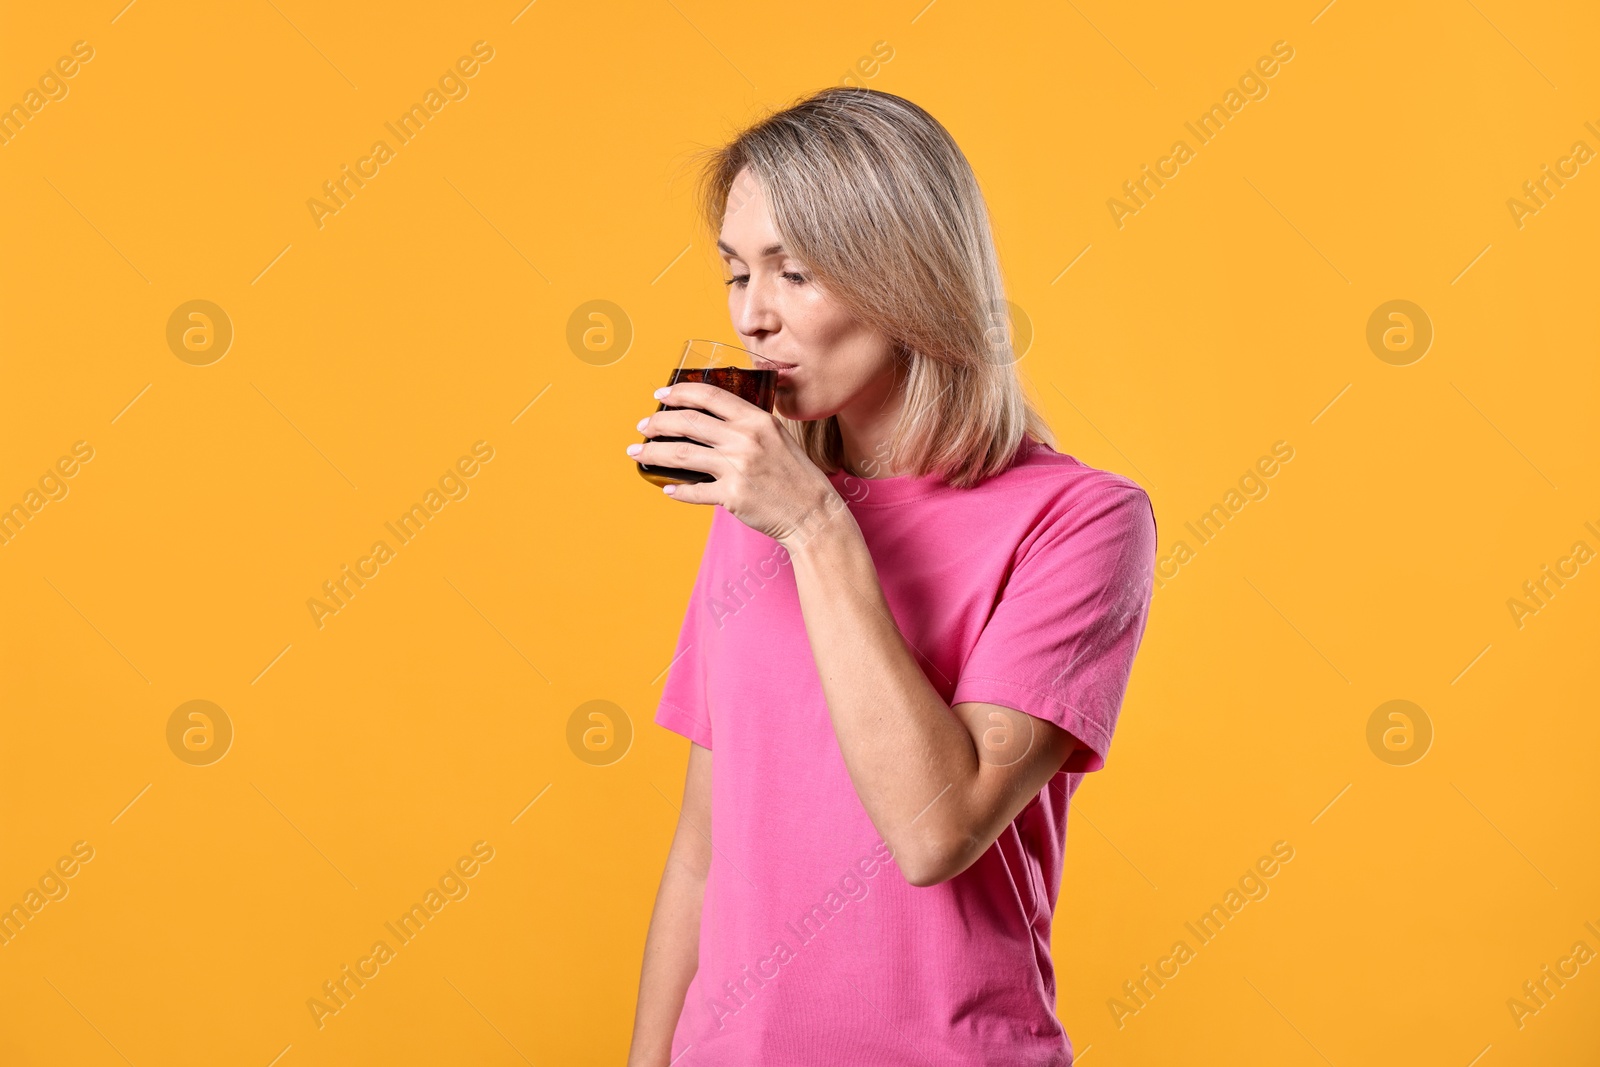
(873, 195)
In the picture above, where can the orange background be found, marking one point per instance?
(434, 310)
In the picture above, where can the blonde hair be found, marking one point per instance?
(873, 195)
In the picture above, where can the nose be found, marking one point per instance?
(755, 313)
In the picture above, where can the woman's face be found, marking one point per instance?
(782, 314)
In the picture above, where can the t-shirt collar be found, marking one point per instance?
(877, 492)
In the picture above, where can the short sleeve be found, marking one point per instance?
(683, 708)
(1060, 642)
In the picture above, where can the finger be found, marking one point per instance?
(719, 402)
(688, 422)
(694, 492)
(685, 455)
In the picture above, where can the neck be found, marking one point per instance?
(865, 428)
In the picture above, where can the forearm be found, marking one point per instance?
(910, 759)
(671, 955)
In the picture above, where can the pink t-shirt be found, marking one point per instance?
(1029, 591)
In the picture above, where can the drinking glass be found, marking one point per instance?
(725, 366)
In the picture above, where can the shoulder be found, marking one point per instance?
(1070, 492)
(1079, 520)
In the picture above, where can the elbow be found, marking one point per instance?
(923, 878)
(930, 864)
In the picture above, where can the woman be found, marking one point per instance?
(909, 636)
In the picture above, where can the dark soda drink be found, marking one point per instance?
(758, 387)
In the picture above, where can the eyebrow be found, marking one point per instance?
(770, 250)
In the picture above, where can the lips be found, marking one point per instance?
(772, 364)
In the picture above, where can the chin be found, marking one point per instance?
(801, 413)
(802, 404)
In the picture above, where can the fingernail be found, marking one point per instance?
(660, 393)
(642, 421)
(634, 450)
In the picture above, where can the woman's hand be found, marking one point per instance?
(763, 476)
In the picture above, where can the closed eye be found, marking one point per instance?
(744, 279)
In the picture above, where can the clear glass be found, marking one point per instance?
(725, 366)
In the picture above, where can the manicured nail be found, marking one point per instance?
(661, 393)
(634, 450)
(669, 489)
(642, 421)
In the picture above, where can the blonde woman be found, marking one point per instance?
(909, 636)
